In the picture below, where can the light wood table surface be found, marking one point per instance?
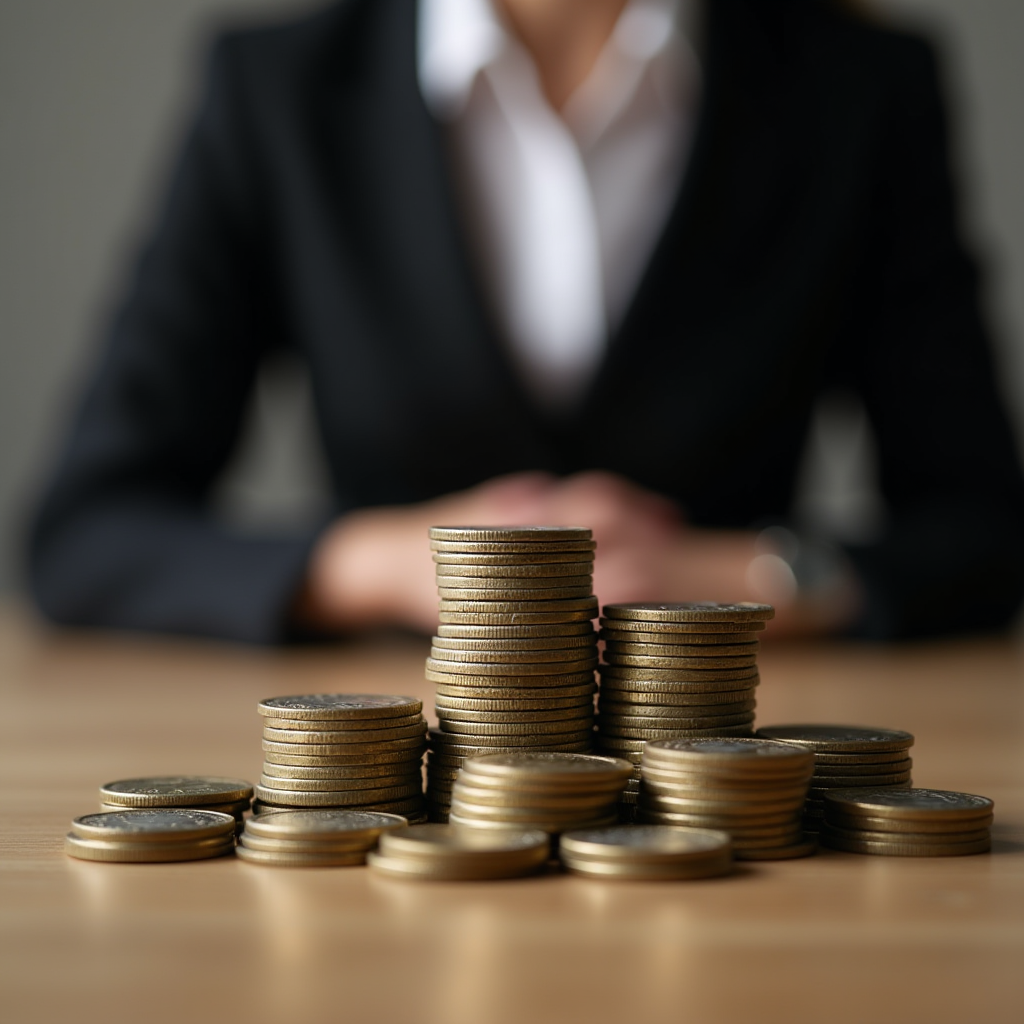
(837, 938)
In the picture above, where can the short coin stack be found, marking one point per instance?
(203, 792)
(314, 838)
(448, 853)
(684, 670)
(550, 791)
(907, 822)
(646, 852)
(847, 757)
(515, 653)
(151, 836)
(358, 751)
(752, 789)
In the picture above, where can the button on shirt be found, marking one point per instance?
(563, 209)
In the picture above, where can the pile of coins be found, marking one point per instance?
(646, 852)
(554, 792)
(200, 792)
(355, 751)
(515, 652)
(907, 822)
(847, 757)
(753, 789)
(448, 853)
(150, 836)
(673, 671)
(314, 838)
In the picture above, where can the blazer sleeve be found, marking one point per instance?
(953, 554)
(124, 537)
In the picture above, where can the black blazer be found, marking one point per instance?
(813, 244)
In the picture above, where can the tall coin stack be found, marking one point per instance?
(753, 789)
(360, 752)
(515, 653)
(847, 757)
(685, 670)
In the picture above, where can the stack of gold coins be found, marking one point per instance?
(847, 757)
(359, 751)
(447, 853)
(204, 792)
(314, 838)
(672, 671)
(148, 836)
(515, 653)
(646, 852)
(753, 789)
(550, 791)
(907, 822)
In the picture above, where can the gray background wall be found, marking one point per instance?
(93, 94)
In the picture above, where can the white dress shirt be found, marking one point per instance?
(563, 210)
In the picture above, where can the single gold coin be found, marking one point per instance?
(476, 605)
(357, 750)
(564, 770)
(552, 659)
(512, 670)
(324, 825)
(254, 842)
(548, 683)
(154, 825)
(337, 798)
(902, 849)
(641, 871)
(516, 619)
(721, 679)
(175, 791)
(505, 694)
(358, 727)
(517, 572)
(510, 534)
(340, 706)
(910, 804)
(670, 628)
(690, 611)
(525, 717)
(650, 843)
(555, 643)
(760, 754)
(536, 556)
(842, 771)
(658, 662)
(270, 781)
(430, 871)
(838, 738)
(553, 632)
(658, 712)
(701, 640)
(521, 706)
(341, 737)
(148, 852)
(387, 755)
(505, 598)
(283, 859)
(896, 826)
(659, 698)
(363, 773)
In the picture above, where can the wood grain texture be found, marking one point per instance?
(838, 937)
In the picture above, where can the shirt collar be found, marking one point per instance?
(458, 39)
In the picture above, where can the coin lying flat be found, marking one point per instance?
(340, 706)
(146, 853)
(663, 628)
(158, 825)
(509, 534)
(911, 804)
(897, 826)
(690, 611)
(839, 738)
(361, 728)
(283, 859)
(904, 849)
(175, 791)
(651, 843)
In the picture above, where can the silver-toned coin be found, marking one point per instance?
(161, 824)
(340, 706)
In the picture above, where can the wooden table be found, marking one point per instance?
(837, 938)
